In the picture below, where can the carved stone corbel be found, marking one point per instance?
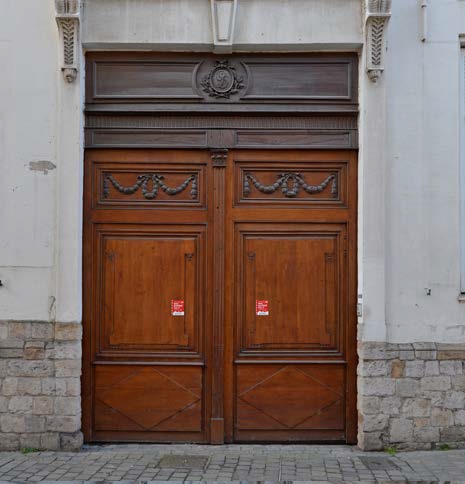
(377, 15)
(67, 17)
(223, 22)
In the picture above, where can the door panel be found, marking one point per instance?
(289, 183)
(148, 399)
(140, 185)
(289, 397)
(143, 276)
(294, 268)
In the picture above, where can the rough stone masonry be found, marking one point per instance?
(411, 396)
(40, 368)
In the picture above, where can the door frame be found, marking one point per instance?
(270, 122)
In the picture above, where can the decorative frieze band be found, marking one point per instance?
(67, 17)
(377, 15)
(151, 121)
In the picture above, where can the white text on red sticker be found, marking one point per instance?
(262, 308)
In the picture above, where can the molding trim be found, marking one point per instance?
(223, 23)
(67, 14)
(212, 131)
(377, 15)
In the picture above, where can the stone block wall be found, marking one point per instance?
(411, 396)
(40, 369)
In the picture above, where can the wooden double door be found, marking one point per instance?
(219, 295)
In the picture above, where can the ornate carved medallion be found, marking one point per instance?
(222, 81)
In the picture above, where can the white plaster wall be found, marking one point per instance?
(422, 170)
(28, 103)
(297, 24)
(371, 216)
(138, 23)
(186, 24)
(39, 210)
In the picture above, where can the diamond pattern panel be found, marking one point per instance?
(148, 397)
(289, 396)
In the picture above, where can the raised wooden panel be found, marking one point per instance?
(132, 138)
(298, 273)
(148, 398)
(289, 397)
(151, 185)
(142, 276)
(149, 80)
(299, 80)
(292, 138)
(288, 183)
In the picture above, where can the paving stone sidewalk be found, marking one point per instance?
(240, 463)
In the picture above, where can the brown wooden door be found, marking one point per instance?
(291, 293)
(146, 292)
(219, 295)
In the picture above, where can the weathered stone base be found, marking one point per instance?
(40, 368)
(411, 396)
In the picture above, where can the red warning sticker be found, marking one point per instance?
(177, 308)
(261, 308)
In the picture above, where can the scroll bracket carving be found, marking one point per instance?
(377, 15)
(67, 18)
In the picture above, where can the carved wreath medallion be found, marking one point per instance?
(222, 81)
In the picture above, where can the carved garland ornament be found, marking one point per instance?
(143, 183)
(378, 13)
(222, 81)
(67, 17)
(290, 184)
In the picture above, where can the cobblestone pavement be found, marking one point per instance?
(228, 463)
